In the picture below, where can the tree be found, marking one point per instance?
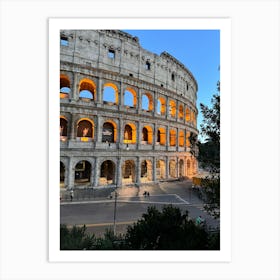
(209, 154)
(169, 229)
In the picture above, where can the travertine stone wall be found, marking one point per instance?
(94, 59)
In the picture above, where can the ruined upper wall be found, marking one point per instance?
(120, 52)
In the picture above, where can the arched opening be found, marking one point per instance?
(87, 90)
(64, 86)
(63, 129)
(188, 115)
(172, 108)
(110, 94)
(161, 104)
(172, 169)
(188, 168)
(109, 132)
(181, 112)
(130, 98)
(62, 175)
(128, 172)
(130, 133)
(161, 171)
(146, 171)
(147, 135)
(147, 102)
(107, 173)
(161, 136)
(188, 143)
(181, 168)
(85, 129)
(82, 172)
(172, 137)
(181, 138)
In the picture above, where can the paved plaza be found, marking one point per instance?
(97, 212)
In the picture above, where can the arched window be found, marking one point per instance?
(188, 115)
(110, 94)
(62, 174)
(147, 102)
(172, 108)
(63, 128)
(87, 89)
(172, 137)
(130, 97)
(172, 169)
(161, 137)
(188, 143)
(144, 134)
(108, 132)
(181, 112)
(128, 132)
(181, 138)
(160, 166)
(128, 172)
(107, 173)
(161, 106)
(82, 172)
(85, 129)
(64, 86)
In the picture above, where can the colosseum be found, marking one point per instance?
(126, 113)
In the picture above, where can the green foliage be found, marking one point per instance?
(75, 238)
(166, 230)
(169, 229)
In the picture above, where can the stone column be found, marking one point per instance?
(71, 174)
(96, 172)
(155, 169)
(74, 120)
(138, 171)
(177, 139)
(154, 136)
(75, 87)
(92, 173)
(139, 98)
(121, 133)
(99, 97)
(167, 167)
(98, 128)
(138, 134)
(119, 171)
(167, 137)
(121, 95)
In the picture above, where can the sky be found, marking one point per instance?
(198, 50)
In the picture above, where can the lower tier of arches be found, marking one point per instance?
(119, 171)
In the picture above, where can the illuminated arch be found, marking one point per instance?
(109, 126)
(146, 171)
(161, 136)
(188, 143)
(172, 169)
(87, 89)
(130, 97)
(64, 86)
(128, 172)
(181, 112)
(107, 173)
(172, 108)
(147, 134)
(110, 93)
(130, 133)
(63, 128)
(181, 168)
(181, 138)
(161, 106)
(62, 174)
(172, 137)
(85, 129)
(147, 102)
(188, 115)
(161, 169)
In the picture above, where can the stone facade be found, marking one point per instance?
(125, 113)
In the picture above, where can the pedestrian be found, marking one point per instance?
(71, 195)
(198, 220)
(148, 194)
(145, 193)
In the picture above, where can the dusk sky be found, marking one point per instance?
(198, 50)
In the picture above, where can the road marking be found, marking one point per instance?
(103, 224)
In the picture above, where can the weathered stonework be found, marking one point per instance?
(141, 135)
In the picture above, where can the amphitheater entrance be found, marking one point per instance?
(172, 169)
(107, 173)
(146, 171)
(181, 168)
(62, 175)
(82, 173)
(128, 172)
(161, 171)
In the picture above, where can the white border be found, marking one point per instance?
(224, 25)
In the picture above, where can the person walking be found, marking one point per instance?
(71, 195)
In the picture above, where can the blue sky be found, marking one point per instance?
(198, 50)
